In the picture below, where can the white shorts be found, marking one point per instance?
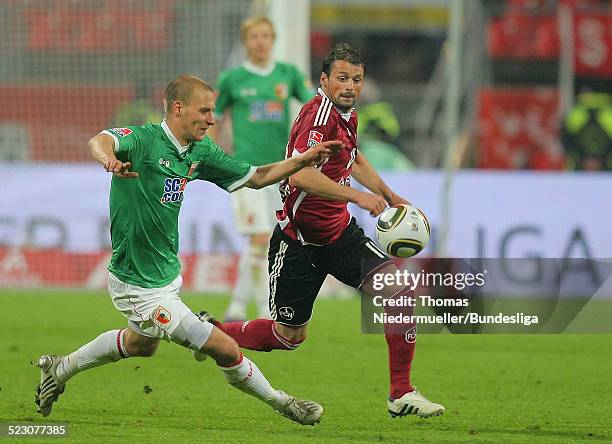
(154, 312)
(254, 210)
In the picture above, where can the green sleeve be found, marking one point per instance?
(224, 99)
(223, 170)
(129, 141)
(302, 88)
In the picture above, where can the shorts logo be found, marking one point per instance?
(286, 313)
(411, 335)
(314, 137)
(162, 316)
(121, 132)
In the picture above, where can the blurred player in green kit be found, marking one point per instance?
(151, 166)
(256, 97)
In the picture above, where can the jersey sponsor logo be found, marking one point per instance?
(162, 316)
(174, 187)
(248, 92)
(121, 132)
(314, 137)
(286, 313)
(281, 90)
(345, 181)
(266, 111)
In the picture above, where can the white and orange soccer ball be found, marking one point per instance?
(402, 230)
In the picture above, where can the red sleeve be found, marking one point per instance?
(311, 128)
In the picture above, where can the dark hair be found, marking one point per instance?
(342, 51)
(181, 89)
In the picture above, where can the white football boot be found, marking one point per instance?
(302, 412)
(413, 403)
(50, 387)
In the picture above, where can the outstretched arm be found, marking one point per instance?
(275, 172)
(315, 182)
(366, 175)
(102, 149)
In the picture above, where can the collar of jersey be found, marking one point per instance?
(347, 115)
(259, 70)
(181, 149)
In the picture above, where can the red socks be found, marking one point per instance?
(258, 334)
(401, 351)
(401, 342)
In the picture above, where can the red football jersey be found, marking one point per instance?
(305, 217)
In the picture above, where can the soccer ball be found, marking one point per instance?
(402, 230)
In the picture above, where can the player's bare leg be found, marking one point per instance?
(295, 335)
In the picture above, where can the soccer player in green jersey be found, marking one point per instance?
(152, 164)
(256, 97)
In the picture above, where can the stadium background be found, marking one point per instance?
(487, 103)
(478, 85)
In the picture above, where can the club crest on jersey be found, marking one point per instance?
(174, 187)
(121, 132)
(192, 168)
(281, 91)
(164, 162)
(314, 137)
(162, 316)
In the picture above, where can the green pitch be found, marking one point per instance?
(496, 388)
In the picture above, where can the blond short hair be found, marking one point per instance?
(252, 22)
(182, 88)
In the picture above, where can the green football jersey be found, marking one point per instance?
(144, 211)
(259, 106)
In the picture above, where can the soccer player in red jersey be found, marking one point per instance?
(317, 236)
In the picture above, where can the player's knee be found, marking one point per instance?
(222, 348)
(148, 350)
(296, 341)
(226, 354)
(231, 352)
(292, 336)
(138, 345)
(141, 350)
